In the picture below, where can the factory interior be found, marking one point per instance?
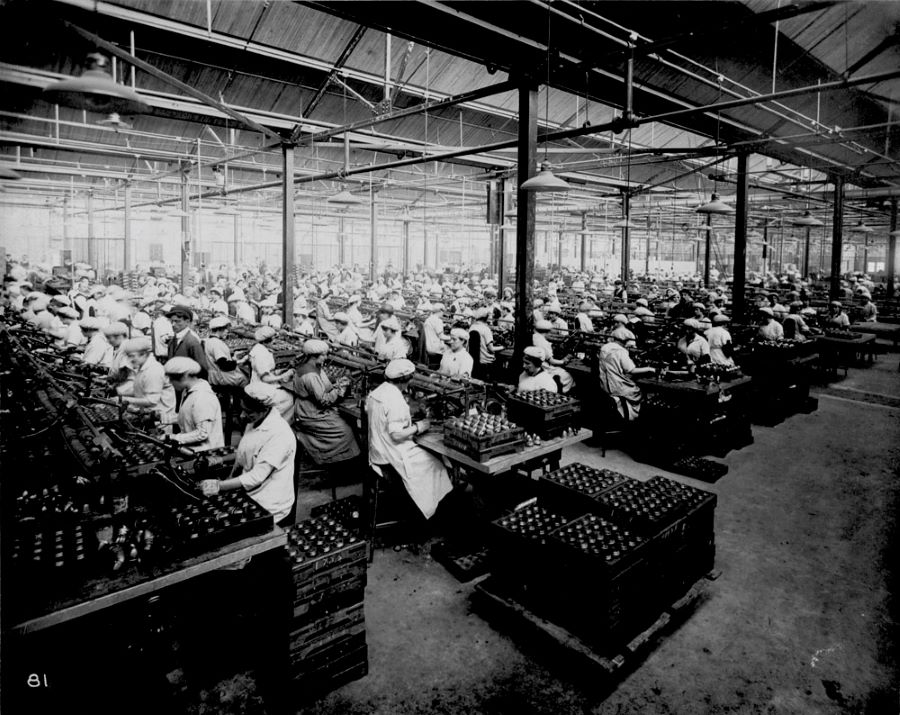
(427, 356)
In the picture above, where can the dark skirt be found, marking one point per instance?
(326, 438)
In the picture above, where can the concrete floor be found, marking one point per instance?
(803, 618)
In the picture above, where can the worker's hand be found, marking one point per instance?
(210, 487)
(423, 426)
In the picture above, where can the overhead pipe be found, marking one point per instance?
(615, 124)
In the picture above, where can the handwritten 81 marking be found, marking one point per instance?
(36, 680)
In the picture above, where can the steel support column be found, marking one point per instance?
(707, 250)
(287, 246)
(373, 236)
(525, 215)
(806, 256)
(559, 247)
(739, 273)
(583, 263)
(406, 248)
(837, 236)
(626, 237)
(891, 263)
(91, 239)
(501, 239)
(126, 250)
(185, 227)
(237, 240)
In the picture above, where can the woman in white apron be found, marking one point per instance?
(391, 440)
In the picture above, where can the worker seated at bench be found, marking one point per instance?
(616, 370)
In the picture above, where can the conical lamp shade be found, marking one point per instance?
(178, 213)
(545, 181)
(227, 211)
(96, 91)
(624, 224)
(9, 174)
(715, 206)
(861, 228)
(807, 219)
(345, 198)
(895, 234)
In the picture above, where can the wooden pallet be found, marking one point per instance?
(564, 649)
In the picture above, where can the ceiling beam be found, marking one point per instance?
(169, 79)
(338, 64)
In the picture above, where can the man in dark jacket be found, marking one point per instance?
(185, 342)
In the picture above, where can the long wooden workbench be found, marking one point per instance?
(99, 593)
(505, 463)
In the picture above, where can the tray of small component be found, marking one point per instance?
(781, 349)
(100, 412)
(483, 436)
(541, 408)
(575, 487)
(347, 511)
(52, 551)
(235, 343)
(655, 506)
(723, 373)
(322, 543)
(517, 545)
(839, 334)
(599, 547)
(216, 520)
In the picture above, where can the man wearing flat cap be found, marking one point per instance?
(185, 342)
(391, 440)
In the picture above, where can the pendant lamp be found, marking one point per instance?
(714, 206)
(96, 91)
(345, 198)
(545, 181)
(226, 210)
(178, 213)
(861, 227)
(807, 219)
(624, 224)
(9, 174)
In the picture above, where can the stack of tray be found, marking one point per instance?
(546, 414)
(328, 632)
(574, 489)
(679, 521)
(482, 436)
(518, 550)
(605, 576)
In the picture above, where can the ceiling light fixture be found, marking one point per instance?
(96, 91)
(861, 227)
(807, 219)
(714, 206)
(344, 198)
(9, 174)
(546, 181)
